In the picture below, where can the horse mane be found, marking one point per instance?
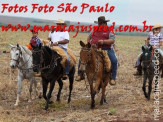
(49, 50)
(25, 49)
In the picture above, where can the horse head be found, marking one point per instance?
(44, 57)
(37, 57)
(85, 55)
(147, 56)
(16, 55)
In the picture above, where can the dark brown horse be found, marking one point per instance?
(93, 64)
(151, 64)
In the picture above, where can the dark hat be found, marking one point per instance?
(34, 31)
(101, 19)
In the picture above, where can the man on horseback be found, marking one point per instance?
(61, 39)
(104, 40)
(155, 39)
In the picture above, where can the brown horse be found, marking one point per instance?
(93, 64)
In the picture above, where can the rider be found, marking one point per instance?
(34, 40)
(155, 39)
(104, 40)
(61, 38)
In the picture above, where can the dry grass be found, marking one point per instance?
(126, 98)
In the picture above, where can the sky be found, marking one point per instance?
(126, 12)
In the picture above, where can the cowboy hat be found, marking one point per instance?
(101, 19)
(157, 26)
(60, 21)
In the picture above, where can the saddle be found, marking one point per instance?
(106, 60)
(61, 52)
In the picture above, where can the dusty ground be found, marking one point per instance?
(126, 98)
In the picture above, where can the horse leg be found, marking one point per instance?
(149, 88)
(30, 90)
(92, 96)
(144, 86)
(40, 92)
(71, 81)
(105, 84)
(60, 88)
(52, 84)
(20, 79)
(44, 86)
(98, 82)
(35, 85)
(103, 94)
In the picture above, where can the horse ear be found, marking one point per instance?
(17, 45)
(143, 48)
(40, 45)
(150, 48)
(12, 46)
(89, 45)
(82, 44)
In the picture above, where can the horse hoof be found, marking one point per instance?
(105, 101)
(15, 104)
(68, 101)
(92, 107)
(51, 102)
(29, 101)
(40, 96)
(46, 108)
(58, 100)
(101, 102)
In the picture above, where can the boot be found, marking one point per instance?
(139, 71)
(112, 82)
(80, 77)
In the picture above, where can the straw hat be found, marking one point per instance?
(101, 19)
(60, 21)
(157, 26)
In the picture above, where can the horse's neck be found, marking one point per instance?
(93, 59)
(47, 57)
(26, 60)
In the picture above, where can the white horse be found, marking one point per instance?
(21, 57)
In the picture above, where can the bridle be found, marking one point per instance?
(41, 65)
(84, 49)
(150, 63)
(17, 60)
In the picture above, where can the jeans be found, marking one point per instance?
(113, 60)
(79, 72)
(68, 60)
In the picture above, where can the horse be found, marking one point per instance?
(48, 61)
(93, 64)
(21, 57)
(148, 65)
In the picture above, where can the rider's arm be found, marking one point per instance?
(111, 39)
(89, 37)
(49, 37)
(63, 42)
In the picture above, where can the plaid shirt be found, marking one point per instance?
(35, 41)
(155, 39)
